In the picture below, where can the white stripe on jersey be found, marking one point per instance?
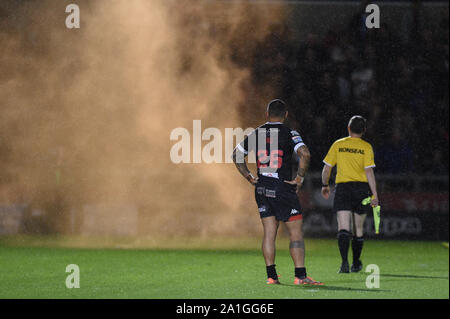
(297, 146)
(240, 148)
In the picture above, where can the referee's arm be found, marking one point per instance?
(369, 164)
(329, 161)
(326, 172)
(372, 184)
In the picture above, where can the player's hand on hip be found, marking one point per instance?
(326, 192)
(297, 181)
(251, 179)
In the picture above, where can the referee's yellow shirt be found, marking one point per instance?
(351, 155)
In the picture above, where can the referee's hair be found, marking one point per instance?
(357, 124)
(276, 108)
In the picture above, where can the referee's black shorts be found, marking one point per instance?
(349, 196)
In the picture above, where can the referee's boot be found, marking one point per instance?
(356, 266)
(345, 268)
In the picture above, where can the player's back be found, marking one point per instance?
(275, 146)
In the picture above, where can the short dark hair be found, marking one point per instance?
(277, 108)
(357, 124)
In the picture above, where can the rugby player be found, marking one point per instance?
(276, 148)
(355, 181)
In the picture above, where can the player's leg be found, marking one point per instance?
(289, 211)
(297, 247)
(358, 241)
(343, 237)
(296, 243)
(297, 250)
(270, 226)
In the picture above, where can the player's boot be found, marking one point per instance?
(271, 281)
(344, 268)
(307, 281)
(357, 266)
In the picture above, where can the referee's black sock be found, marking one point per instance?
(300, 272)
(271, 272)
(357, 246)
(344, 243)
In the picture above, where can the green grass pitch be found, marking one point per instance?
(216, 269)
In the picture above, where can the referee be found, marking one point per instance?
(355, 181)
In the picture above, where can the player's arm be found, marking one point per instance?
(303, 165)
(305, 158)
(372, 184)
(241, 165)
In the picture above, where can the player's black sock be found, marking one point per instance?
(271, 272)
(300, 272)
(357, 246)
(344, 243)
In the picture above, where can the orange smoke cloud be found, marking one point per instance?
(87, 113)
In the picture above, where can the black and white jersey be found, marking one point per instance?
(275, 146)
